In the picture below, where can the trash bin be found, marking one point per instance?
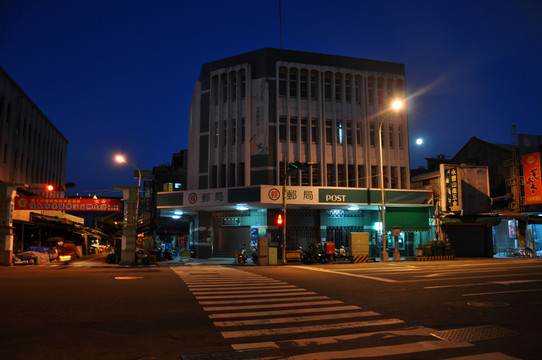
(428, 250)
(272, 255)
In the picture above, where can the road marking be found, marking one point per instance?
(388, 350)
(486, 356)
(452, 286)
(313, 328)
(333, 339)
(267, 306)
(255, 301)
(283, 312)
(503, 292)
(239, 290)
(293, 292)
(347, 274)
(458, 272)
(510, 282)
(296, 319)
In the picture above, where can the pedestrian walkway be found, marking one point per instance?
(267, 318)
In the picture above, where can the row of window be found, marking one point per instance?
(228, 85)
(228, 135)
(231, 179)
(344, 132)
(295, 82)
(346, 176)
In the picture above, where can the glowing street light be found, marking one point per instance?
(396, 105)
(122, 159)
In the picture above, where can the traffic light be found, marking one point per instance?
(296, 165)
(280, 220)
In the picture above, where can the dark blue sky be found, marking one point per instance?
(117, 76)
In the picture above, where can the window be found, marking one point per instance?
(390, 135)
(348, 88)
(242, 130)
(314, 131)
(386, 178)
(327, 86)
(293, 129)
(357, 89)
(338, 87)
(233, 131)
(403, 177)
(304, 130)
(372, 134)
(400, 135)
(305, 176)
(243, 84)
(217, 134)
(225, 133)
(293, 82)
(341, 178)
(394, 178)
(374, 177)
(316, 180)
(215, 93)
(349, 132)
(389, 90)
(282, 81)
(225, 88)
(282, 129)
(303, 84)
(328, 131)
(233, 86)
(362, 179)
(330, 175)
(358, 133)
(214, 177)
(351, 176)
(314, 85)
(380, 84)
(371, 90)
(241, 174)
(339, 129)
(231, 177)
(223, 175)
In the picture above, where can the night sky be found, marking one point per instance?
(118, 76)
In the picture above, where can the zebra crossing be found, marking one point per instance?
(256, 312)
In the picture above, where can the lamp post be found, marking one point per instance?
(122, 159)
(396, 105)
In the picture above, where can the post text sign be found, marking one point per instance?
(66, 204)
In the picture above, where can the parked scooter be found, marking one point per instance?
(242, 255)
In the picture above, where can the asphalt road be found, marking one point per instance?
(460, 309)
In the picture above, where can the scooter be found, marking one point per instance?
(242, 255)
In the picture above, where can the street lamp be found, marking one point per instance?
(396, 105)
(122, 159)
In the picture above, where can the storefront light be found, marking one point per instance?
(176, 217)
(242, 207)
(353, 207)
(378, 226)
(178, 212)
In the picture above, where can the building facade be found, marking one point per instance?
(32, 150)
(253, 114)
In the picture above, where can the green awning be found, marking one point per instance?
(408, 218)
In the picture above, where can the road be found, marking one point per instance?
(461, 309)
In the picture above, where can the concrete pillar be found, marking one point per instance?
(129, 231)
(7, 198)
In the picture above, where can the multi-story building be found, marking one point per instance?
(253, 114)
(32, 149)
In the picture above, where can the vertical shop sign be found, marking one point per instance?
(452, 179)
(532, 179)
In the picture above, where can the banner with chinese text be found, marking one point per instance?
(532, 180)
(66, 204)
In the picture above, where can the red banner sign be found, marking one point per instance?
(66, 204)
(531, 175)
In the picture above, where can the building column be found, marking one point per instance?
(129, 231)
(7, 198)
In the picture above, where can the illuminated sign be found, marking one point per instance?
(452, 181)
(66, 204)
(532, 179)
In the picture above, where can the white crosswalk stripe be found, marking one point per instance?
(256, 312)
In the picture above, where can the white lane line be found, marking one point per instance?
(283, 312)
(452, 286)
(503, 292)
(293, 292)
(302, 329)
(333, 339)
(268, 306)
(454, 272)
(378, 351)
(294, 319)
(510, 282)
(347, 274)
(242, 290)
(255, 301)
(222, 284)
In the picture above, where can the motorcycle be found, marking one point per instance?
(242, 255)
